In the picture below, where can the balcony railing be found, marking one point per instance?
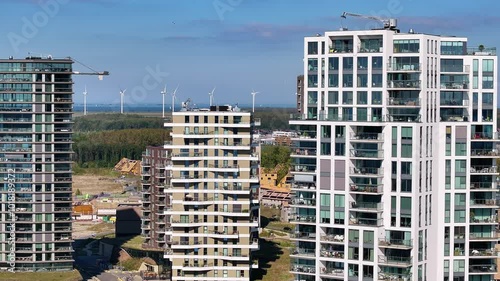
(365, 221)
(396, 242)
(367, 171)
(367, 136)
(303, 252)
(483, 252)
(455, 86)
(484, 169)
(366, 205)
(484, 202)
(299, 218)
(304, 201)
(382, 276)
(485, 136)
(327, 253)
(333, 271)
(454, 102)
(403, 102)
(332, 238)
(483, 235)
(486, 268)
(484, 152)
(303, 235)
(403, 66)
(403, 84)
(303, 268)
(305, 152)
(367, 153)
(491, 219)
(483, 185)
(367, 188)
(396, 260)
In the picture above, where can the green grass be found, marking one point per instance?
(132, 264)
(102, 227)
(73, 275)
(269, 212)
(280, 226)
(274, 261)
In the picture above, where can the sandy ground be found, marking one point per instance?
(95, 184)
(82, 229)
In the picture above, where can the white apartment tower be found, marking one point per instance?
(395, 166)
(212, 194)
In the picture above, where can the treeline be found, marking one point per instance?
(115, 121)
(274, 118)
(106, 148)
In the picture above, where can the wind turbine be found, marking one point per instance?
(122, 93)
(253, 100)
(163, 100)
(85, 101)
(173, 98)
(211, 94)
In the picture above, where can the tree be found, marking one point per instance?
(276, 157)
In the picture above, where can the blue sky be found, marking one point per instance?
(235, 45)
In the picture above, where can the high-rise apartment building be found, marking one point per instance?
(154, 200)
(395, 168)
(212, 194)
(36, 108)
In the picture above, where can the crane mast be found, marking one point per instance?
(390, 24)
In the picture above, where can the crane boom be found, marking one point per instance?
(94, 72)
(388, 23)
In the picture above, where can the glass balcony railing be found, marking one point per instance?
(404, 67)
(366, 206)
(403, 101)
(366, 222)
(404, 84)
(366, 171)
(405, 243)
(303, 268)
(484, 152)
(455, 86)
(367, 136)
(303, 218)
(488, 219)
(485, 268)
(483, 202)
(303, 252)
(483, 252)
(481, 169)
(332, 238)
(396, 260)
(332, 271)
(304, 201)
(367, 153)
(328, 253)
(482, 235)
(366, 188)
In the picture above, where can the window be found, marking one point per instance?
(347, 80)
(406, 133)
(362, 97)
(406, 150)
(312, 48)
(362, 80)
(353, 235)
(347, 63)
(406, 168)
(460, 149)
(377, 97)
(333, 63)
(460, 199)
(362, 114)
(459, 266)
(460, 166)
(459, 216)
(368, 236)
(406, 185)
(453, 48)
(377, 80)
(460, 182)
(406, 203)
(333, 80)
(333, 97)
(487, 65)
(347, 97)
(339, 201)
(407, 46)
(376, 62)
(325, 200)
(362, 62)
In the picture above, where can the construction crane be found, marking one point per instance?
(101, 74)
(94, 72)
(390, 24)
